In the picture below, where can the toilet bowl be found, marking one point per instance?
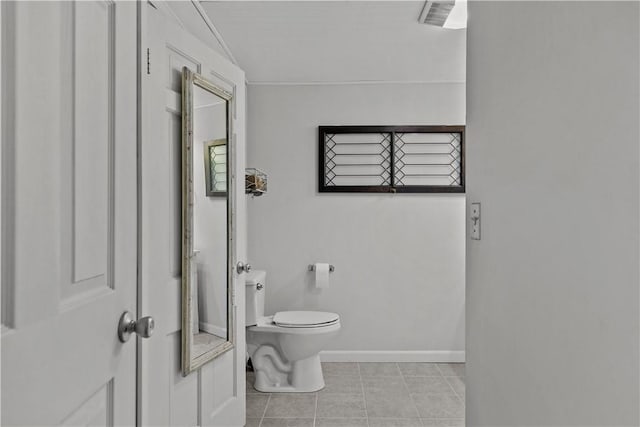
(284, 347)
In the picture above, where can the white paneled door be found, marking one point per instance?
(214, 394)
(68, 212)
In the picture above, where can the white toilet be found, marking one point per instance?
(284, 347)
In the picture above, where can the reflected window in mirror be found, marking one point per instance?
(215, 167)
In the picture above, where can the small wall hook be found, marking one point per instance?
(312, 267)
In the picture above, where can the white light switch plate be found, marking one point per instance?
(475, 221)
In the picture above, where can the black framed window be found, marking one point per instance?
(390, 159)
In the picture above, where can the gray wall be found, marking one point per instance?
(399, 279)
(552, 287)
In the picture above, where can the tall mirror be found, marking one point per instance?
(206, 209)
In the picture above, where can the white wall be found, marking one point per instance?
(399, 279)
(552, 287)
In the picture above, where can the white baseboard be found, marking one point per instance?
(392, 356)
(213, 329)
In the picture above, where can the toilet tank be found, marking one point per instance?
(254, 296)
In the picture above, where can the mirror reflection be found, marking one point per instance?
(215, 167)
(206, 315)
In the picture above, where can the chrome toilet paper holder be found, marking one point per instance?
(312, 267)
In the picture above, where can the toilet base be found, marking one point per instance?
(274, 376)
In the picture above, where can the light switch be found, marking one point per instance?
(475, 221)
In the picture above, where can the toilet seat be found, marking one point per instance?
(266, 324)
(305, 319)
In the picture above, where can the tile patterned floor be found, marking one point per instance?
(367, 395)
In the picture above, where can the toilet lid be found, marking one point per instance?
(304, 319)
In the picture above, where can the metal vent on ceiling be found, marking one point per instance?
(436, 12)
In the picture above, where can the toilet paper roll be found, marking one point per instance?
(322, 275)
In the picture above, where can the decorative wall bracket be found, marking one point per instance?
(255, 182)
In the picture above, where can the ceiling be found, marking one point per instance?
(337, 41)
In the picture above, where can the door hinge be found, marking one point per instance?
(148, 61)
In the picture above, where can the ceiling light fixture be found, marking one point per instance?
(451, 14)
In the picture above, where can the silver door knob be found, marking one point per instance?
(259, 286)
(128, 325)
(243, 268)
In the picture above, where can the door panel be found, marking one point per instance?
(69, 268)
(92, 139)
(213, 395)
(95, 411)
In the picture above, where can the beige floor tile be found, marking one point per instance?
(249, 382)
(451, 369)
(341, 422)
(439, 405)
(389, 394)
(422, 385)
(390, 385)
(378, 369)
(253, 422)
(291, 406)
(419, 369)
(457, 383)
(342, 384)
(256, 404)
(443, 422)
(385, 405)
(340, 368)
(250, 389)
(341, 406)
(395, 422)
(287, 422)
